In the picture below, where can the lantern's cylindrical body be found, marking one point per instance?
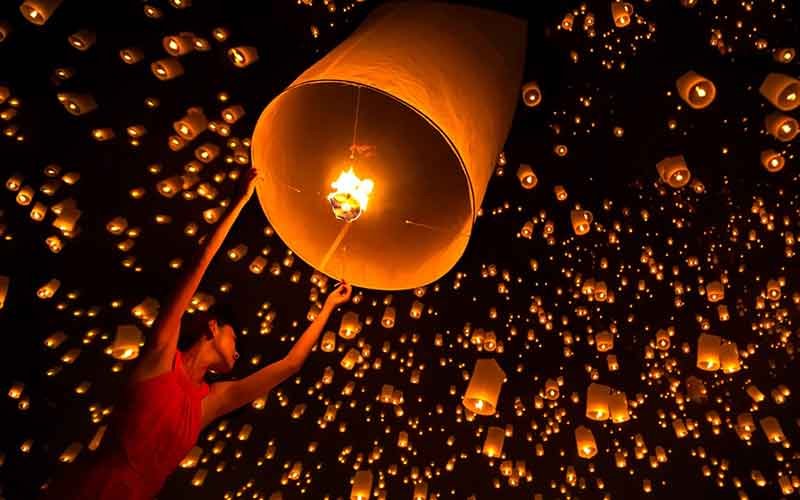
(715, 291)
(782, 91)
(493, 444)
(708, 352)
(484, 387)
(526, 176)
(581, 221)
(618, 407)
(673, 171)
(622, 13)
(782, 127)
(167, 68)
(178, 45)
(431, 122)
(350, 326)
(551, 390)
(597, 399)
(772, 429)
(131, 55)
(388, 318)
(531, 94)
(82, 40)
(38, 11)
(126, 343)
(729, 357)
(696, 90)
(362, 485)
(604, 341)
(584, 440)
(243, 56)
(772, 161)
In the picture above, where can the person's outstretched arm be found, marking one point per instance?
(228, 396)
(158, 356)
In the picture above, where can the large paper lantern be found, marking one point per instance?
(407, 117)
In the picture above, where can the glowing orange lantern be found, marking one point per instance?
(38, 11)
(781, 90)
(673, 171)
(484, 387)
(696, 90)
(348, 110)
(782, 127)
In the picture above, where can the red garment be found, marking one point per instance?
(158, 424)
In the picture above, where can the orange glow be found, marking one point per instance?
(350, 199)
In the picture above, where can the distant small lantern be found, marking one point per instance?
(77, 104)
(526, 176)
(772, 429)
(551, 390)
(584, 440)
(782, 91)
(82, 40)
(38, 11)
(388, 319)
(696, 90)
(484, 387)
(131, 55)
(782, 127)
(531, 94)
(729, 357)
(597, 399)
(662, 340)
(493, 444)
(622, 13)
(715, 291)
(167, 68)
(604, 341)
(772, 161)
(581, 221)
(708, 352)
(618, 407)
(192, 124)
(328, 343)
(126, 343)
(784, 55)
(243, 56)
(362, 485)
(350, 325)
(674, 171)
(178, 45)
(231, 114)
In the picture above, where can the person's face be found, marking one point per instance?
(225, 345)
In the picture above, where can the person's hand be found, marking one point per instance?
(339, 295)
(247, 183)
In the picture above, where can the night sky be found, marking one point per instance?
(610, 111)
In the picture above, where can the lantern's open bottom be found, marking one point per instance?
(422, 207)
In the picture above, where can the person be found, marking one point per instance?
(167, 401)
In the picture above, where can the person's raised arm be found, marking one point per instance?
(228, 396)
(166, 328)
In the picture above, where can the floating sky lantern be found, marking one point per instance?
(484, 387)
(345, 123)
(782, 91)
(697, 90)
(38, 11)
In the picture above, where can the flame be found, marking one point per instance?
(350, 199)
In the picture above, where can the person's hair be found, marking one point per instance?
(195, 325)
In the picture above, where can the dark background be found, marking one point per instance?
(598, 167)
